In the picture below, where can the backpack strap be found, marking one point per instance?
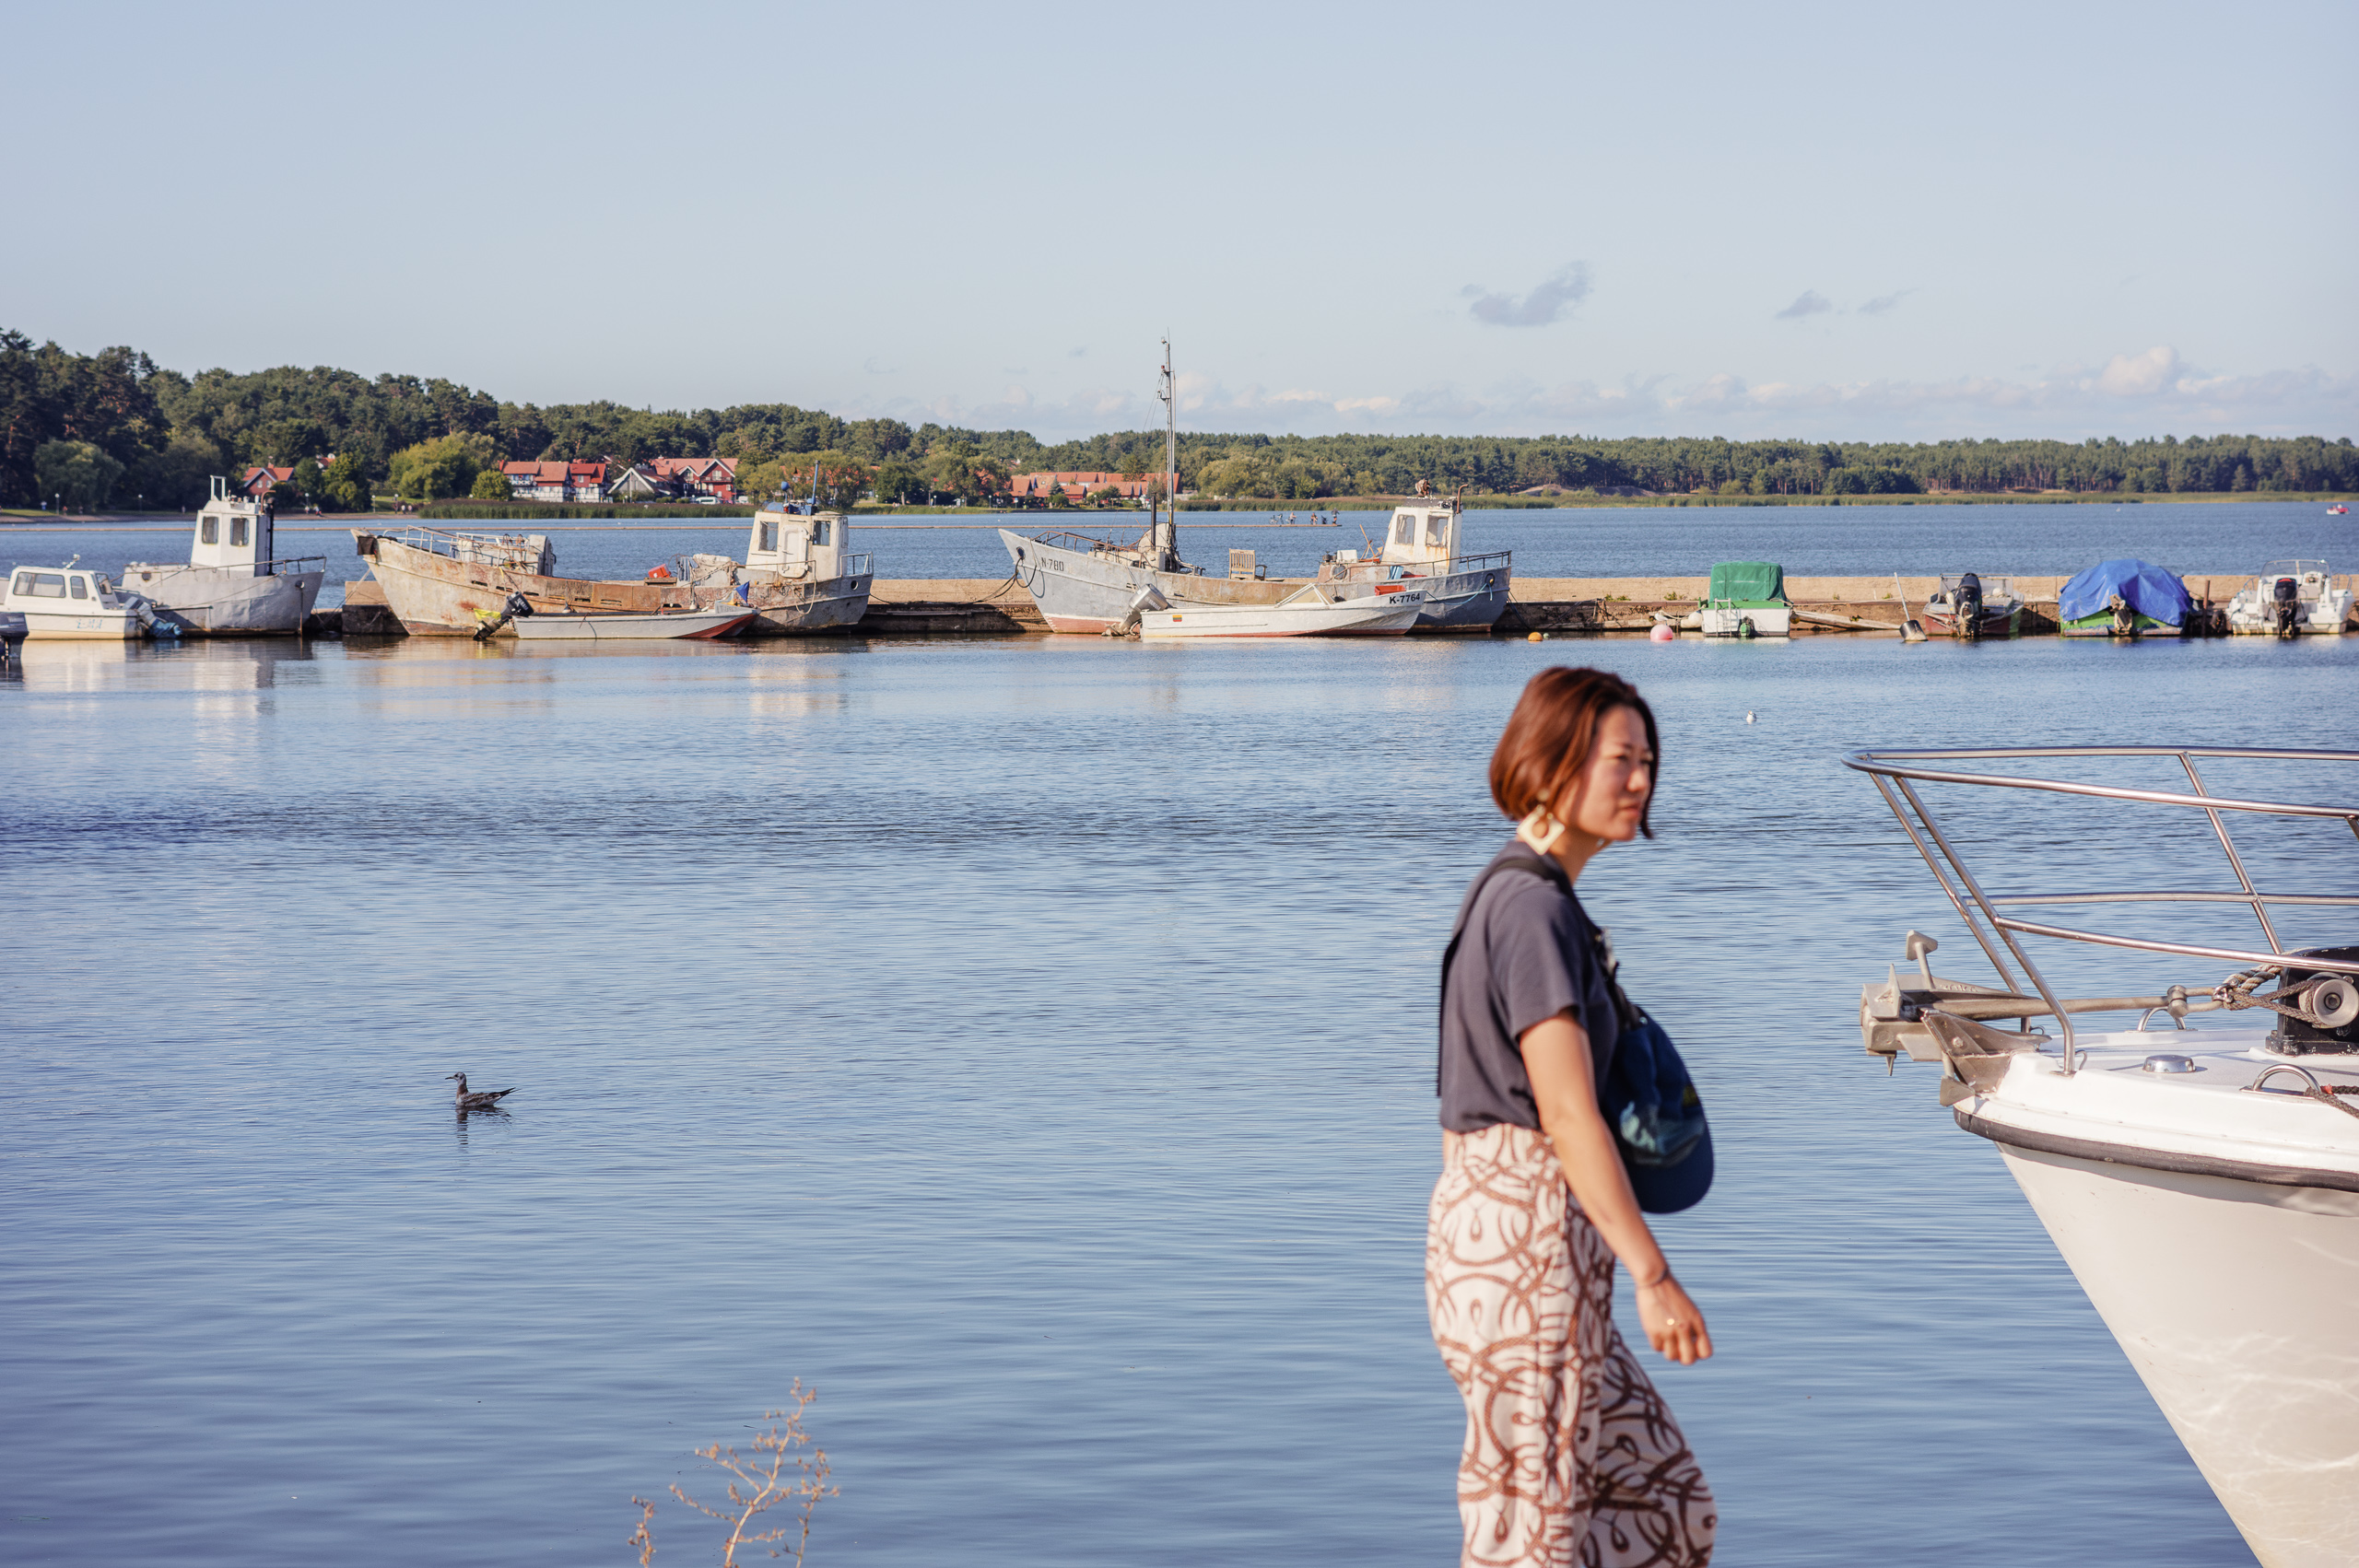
(1521, 858)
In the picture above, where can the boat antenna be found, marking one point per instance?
(1168, 536)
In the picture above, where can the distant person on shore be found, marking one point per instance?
(1571, 1456)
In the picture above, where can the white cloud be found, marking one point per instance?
(2150, 392)
(2140, 375)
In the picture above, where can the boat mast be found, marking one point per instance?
(1167, 534)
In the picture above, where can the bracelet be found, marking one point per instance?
(1658, 1280)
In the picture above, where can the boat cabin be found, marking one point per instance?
(1421, 535)
(233, 532)
(61, 588)
(797, 547)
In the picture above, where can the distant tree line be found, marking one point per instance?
(116, 429)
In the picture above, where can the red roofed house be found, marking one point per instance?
(1077, 484)
(260, 481)
(556, 481)
(715, 477)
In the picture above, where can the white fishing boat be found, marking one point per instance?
(2290, 598)
(1972, 606)
(67, 602)
(1312, 610)
(801, 575)
(233, 581)
(1421, 550)
(2202, 1183)
(1747, 599)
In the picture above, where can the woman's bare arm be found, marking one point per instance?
(1555, 1058)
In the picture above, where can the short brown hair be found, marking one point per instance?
(1551, 731)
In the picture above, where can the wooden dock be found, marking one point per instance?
(1575, 606)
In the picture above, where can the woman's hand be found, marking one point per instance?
(1674, 1323)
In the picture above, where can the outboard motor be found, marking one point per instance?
(2125, 620)
(1969, 607)
(2287, 607)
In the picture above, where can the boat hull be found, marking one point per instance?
(2232, 1299)
(703, 625)
(2101, 625)
(1771, 620)
(1468, 600)
(1366, 616)
(1090, 590)
(216, 602)
(787, 608)
(1991, 623)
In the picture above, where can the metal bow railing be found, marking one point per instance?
(1897, 775)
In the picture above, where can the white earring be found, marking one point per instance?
(1529, 829)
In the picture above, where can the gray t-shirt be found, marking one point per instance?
(1527, 954)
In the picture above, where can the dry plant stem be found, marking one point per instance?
(762, 1481)
(643, 1538)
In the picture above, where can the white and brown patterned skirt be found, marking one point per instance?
(1571, 1456)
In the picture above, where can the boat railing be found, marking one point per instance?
(464, 544)
(1987, 913)
(1490, 561)
(857, 565)
(1065, 539)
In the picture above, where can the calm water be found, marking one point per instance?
(1028, 1042)
(2228, 537)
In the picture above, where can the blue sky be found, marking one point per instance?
(1832, 221)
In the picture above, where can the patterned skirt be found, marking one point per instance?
(1571, 1456)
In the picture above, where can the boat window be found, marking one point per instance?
(209, 531)
(237, 531)
(1433, 530)
(24, 583)
(769, 536)
(79, 585)
(819, 532)
(1405, 531)
(49, 585)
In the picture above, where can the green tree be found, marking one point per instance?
(180, 474)
(442, 467)
(344, 488)
(491, 486)
(898, 481)
(304, 482)
(1058, 500)
(77, 473)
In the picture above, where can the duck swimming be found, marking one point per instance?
(482, 1099)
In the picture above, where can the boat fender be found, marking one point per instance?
(1663, 633)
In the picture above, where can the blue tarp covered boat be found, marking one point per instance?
(2153, 599)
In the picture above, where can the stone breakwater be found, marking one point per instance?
(1571, 605)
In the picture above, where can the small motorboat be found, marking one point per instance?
(1972, 606)
(66, 602)
(606, 626)
(2202, 1183)
(2125, 598)
(2289, 599)
(2338, 509)
(1315, 610)
(1747, 599)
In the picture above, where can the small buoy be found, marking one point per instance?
(1748, 716)
(1535, 637)
(1663, 633)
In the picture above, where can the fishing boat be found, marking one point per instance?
(799, 575)
(1312, 610)
(2202, 1183)
(1746, 599)
(1972, 606)
(66, 603)
(2289, 599)
(233, 582)
(2125, 598)
(446, 582)
(1463, 592)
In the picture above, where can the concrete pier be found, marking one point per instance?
(1597, 606)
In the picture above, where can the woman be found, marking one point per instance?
(1571, 1456)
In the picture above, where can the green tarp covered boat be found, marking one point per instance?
(1747, 599)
